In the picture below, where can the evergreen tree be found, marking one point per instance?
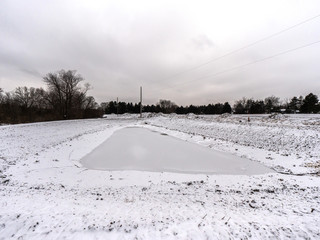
(257, 107)
(310, 104)
(239, 106)
(226, 108)
(294, 104)
(112, 107)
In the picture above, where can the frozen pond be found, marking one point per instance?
(145, 150)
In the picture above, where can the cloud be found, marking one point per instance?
(202, 42)
(118, 46)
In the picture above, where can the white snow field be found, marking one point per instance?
(141, 149)
(46, 192)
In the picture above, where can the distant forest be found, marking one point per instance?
(65, 98)
(307, 104)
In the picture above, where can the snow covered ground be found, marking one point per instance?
(45, 192)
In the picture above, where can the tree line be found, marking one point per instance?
(64, 98)
(165, 106)
(307, 104)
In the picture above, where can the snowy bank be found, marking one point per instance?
(46, 193)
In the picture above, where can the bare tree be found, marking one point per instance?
(167, 106)
(63, 88)
(70, 87)
(1, 95)
(90, 103)
(28, 97)
(54, 95)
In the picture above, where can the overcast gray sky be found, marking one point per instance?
(118, 46)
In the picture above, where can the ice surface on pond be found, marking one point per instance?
(144, 150)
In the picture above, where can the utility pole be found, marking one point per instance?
(117, 106)
(140, 102)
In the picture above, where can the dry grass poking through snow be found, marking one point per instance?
(46, 194)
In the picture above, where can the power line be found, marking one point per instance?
(250, 63)
(243, 48)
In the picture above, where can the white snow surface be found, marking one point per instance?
(45, 192)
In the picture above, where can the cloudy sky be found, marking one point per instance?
(118, 46)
